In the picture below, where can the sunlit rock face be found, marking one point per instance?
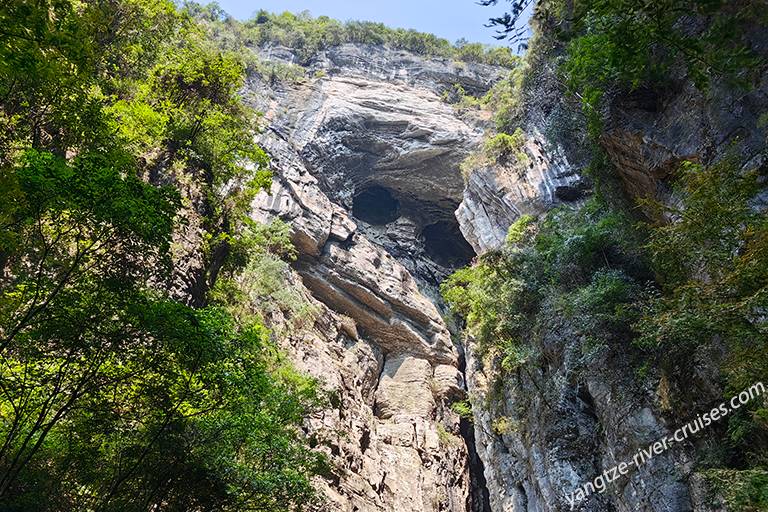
(376, 122)
(366, 158)
(495, 196)
(581, 409)
(366, 162)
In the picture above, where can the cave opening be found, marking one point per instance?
(376, 205)
(446, 245)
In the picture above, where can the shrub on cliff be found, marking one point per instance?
(586, 260)
(712, 263)
(501, 148)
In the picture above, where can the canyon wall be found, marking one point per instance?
(584, 408)
(366, 156)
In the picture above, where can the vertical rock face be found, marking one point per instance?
(366, 160)
(652, 132)
(496, 196)
(557, 425)
(549, 174)
(366, 171)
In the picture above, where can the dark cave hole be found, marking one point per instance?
(446, 245)
(376, 205)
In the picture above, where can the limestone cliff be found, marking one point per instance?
(366, 157)
(583, 408)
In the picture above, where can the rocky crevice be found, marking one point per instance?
(366, 159)
(366, 173)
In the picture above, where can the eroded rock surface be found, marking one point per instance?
(651, 132)
(366, 160)
(496, 196)
(545, 430)
(372, 265)
(550, 175)
(554, 428)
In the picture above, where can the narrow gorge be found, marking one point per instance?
(367, 153)
(293, 264)
(366, 161)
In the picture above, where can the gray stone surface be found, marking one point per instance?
(582, 409)
(380, 342)
(496, 196)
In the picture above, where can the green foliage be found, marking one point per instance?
(114, 392)
(113, 396)
(502, 145)
(709, 253)
(273, 238)
(310, 35)
(586, 261)
(605, 309)
(447, 438)
(504, 425)
(634, 43)
(503, 99)
(496, 301)
(591, 267)
(501, 148)
(97, 192)
(712, 263)
(742, 491)
(463, 408)
(711, 260)
(190, 101)
(55, 73)
(575, 244)
(275, 72)
(460, 100)
(185, 119)
(257, 278)
(520, 229)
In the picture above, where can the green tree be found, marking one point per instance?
(712, 264)
(306, 36)
(112, 395)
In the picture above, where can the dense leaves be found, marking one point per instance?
(634, 44)
(113, 396)
(583, 263)
(709, 285)
(712, 263)
(630, 45)
(308, 35)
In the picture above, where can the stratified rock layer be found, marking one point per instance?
(381, 344)
(371, 125)
(496, 196)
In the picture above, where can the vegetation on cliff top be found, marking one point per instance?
(307, 36)
(625, 46)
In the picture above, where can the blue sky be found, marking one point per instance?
(451, 19)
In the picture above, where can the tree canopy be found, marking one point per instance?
(115, 395)
(308, 35)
